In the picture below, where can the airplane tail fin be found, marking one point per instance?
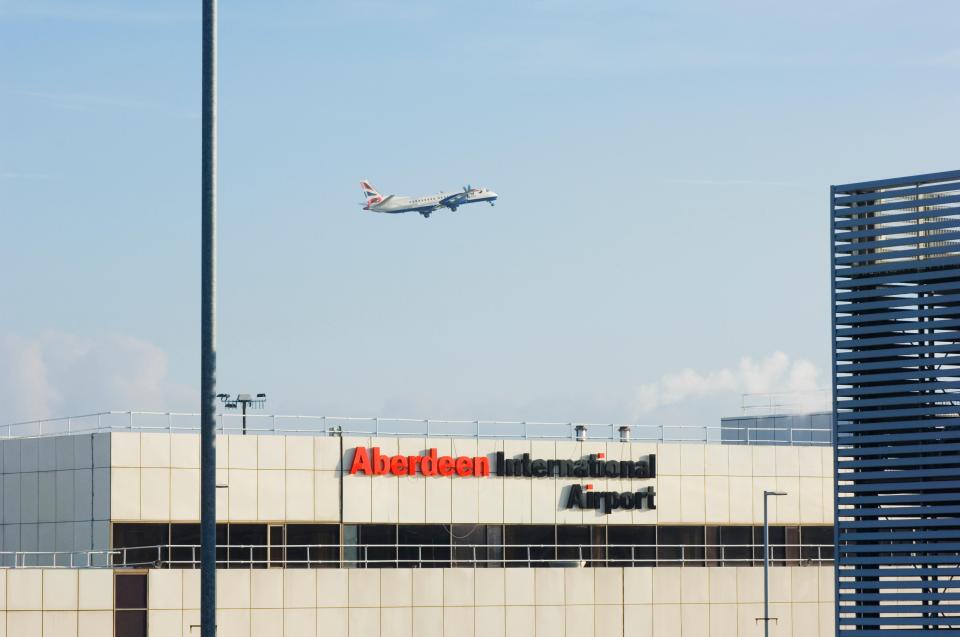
(370, 193)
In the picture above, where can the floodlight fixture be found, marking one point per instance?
(244, 400)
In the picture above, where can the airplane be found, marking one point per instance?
(425, 205)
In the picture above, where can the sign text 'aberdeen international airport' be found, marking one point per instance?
(372, 462)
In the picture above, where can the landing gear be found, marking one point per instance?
(491, 204)
(426, 215)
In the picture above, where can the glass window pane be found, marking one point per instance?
(495, 540)
(792, 545)
(275, 535)
(817, 543)
(185, 539)
(424, 545)
(469, 541)
(314, 545)
(632, 545)
(130, 623)
(737, 544)
(378, 545)
(351, 549)
(680, 545)
(130, 590)
(248, 546)
(522, 542)
(712, 547)
(144, 544)
(573, 544)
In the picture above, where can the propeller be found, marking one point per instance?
(467, 188)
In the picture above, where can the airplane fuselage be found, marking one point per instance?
(427, 204)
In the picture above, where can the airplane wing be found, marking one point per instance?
(454, 200)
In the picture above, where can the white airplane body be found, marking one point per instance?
(395, 204)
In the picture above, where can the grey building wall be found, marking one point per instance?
(55, 496)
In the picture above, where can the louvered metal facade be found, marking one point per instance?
(896, 378)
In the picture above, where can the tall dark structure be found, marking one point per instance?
(896, 378)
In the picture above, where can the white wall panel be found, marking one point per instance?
(185, 451)
(384, 498)
(155, 494)
(326, 453)
(270, 452)
(465, 498)
(242, 493)
(490, 500)
(242, 453)
(271, 494)
(811, 500)
(185, 494)
(124, 493)
(299, 494)
(489, 622)
(125, 449)
(396, 587)
(439, 506)
(299, 452)
(155, 449)
(764, 460)
(266, 588)
(717, 499)
(326, 493)
(357, 491)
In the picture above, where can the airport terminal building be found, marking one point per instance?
(329, 530)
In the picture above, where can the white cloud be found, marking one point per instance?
(798, 381)
(57, 374)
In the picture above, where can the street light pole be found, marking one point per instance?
(766, 562)
(208, 342)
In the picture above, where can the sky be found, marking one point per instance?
(660, 246)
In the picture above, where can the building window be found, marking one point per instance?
(530, 535)
(130, 604)
(632, 545)
(469, 544)
(426, 545)
(248, 546)
(141, 544)
(817, 543)
(735, 545)
(313, 545)
(680, 545)
(185, 543)
(378, 545)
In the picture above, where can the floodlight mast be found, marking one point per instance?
(208, 342)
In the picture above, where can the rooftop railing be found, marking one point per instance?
(262, 424)
(187, 556)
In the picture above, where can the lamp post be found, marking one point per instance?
(244, 400)
(208, 307)
(766, 562)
